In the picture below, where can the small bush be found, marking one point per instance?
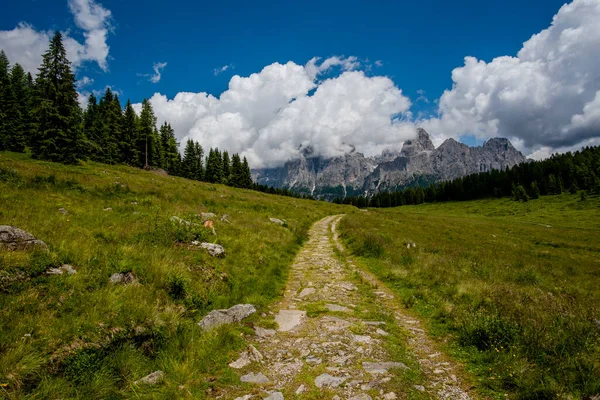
(488, 332)
(177, 286)
(372, 246)
(10, 176)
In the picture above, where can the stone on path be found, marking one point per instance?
(306, 292)
(255, 378)
(337, 308)
(328, 381)
(263, 333)
(390, 396)
(228, 316)
(275, 396)
(13, 238)
(151, 379)
(362, 396)
(289, 319)
(347, 286)
(301, 389)
(382, 367)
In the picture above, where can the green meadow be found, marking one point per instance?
(512, 289)
(79, 336)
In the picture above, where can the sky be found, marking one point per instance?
(269, 79)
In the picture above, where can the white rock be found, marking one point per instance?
(277, 221)
(306, 292)
(289, 319)
(275, 396)
(64, 269)
(362, 396)
(337, 308)
(328, 381)
(301, 389)
(263, 333)
(151, 379)
(255, 378)
(215, 250)
(381, 332)
(228, 316)
(246, 397)
(382, 367)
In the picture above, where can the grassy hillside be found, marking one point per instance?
(513, 287)
(79, 336)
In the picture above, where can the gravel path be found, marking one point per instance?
(328, 345)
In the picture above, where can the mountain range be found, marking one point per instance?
(418, 163)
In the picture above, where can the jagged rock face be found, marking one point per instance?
(419, 162)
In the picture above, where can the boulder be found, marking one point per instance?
(63, 269)
(215, 250)
(227, 316)
(151, 379)
(255, 378)
(328, 381)
(275, 396)
(122, 278)
(12, 238)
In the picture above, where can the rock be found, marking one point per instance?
(135, 203)
(289, 319)
(207, 215)
(108, 209)
(390, 396)
(264, 333)
(151, 379)
(362, 396)
(382, 367)
(347, 286)
(419, 388)
(275, 396)
(215, 250)
(255, 378)
(361, 339)
(62, 211)
(328, 381)
(63, 269)
(301, 389)
(337, 308)
(225, 218)
(277, 221)
(381, 332)
(240, 362)
(12, 238)
(313, 360)
(181, 221)
(228, 316)
(306, 292)
(122, 278)
(246, 397)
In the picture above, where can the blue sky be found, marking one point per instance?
(418, 46)
(419, 42)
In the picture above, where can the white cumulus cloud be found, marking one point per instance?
(273, 115)
(547, 97)
(25, 45)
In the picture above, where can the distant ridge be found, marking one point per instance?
(419, 162)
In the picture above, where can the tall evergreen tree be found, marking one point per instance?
(129, 131)
(148, 137)
(20, 109)
(11, 122)
(226, 168)
(237, 173)
(58, 136)
(91, 127)
(171, 156)
(246, 181)
(214, 166)
(198, 164)
(188, 163)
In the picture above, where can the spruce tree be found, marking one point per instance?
(11, 122)
(198, 164)
(19, 109)
(188, 163)
(246, 175)
(91, 127)
(147, 138)
(58, 135)
(129, 145)
(226, 168)
(237, 173)
(170, 148)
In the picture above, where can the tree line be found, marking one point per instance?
(43, 115)
(577, 172)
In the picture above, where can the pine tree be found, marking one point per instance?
(20, 109)
(214, 166)
(226, 168)
(170, 148)
(91, 127)
(237, 173)
(188, 163)
(129, 131)
(535, 191)
(246, 181)
(57, 116)
(198, 164)
(148, 138)
(11, 122)
(4, 87)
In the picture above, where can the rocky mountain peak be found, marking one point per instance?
(418, 145)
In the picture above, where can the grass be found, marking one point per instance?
(78, 336)
(512, 288)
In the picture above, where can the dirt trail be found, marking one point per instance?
(328, 345)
